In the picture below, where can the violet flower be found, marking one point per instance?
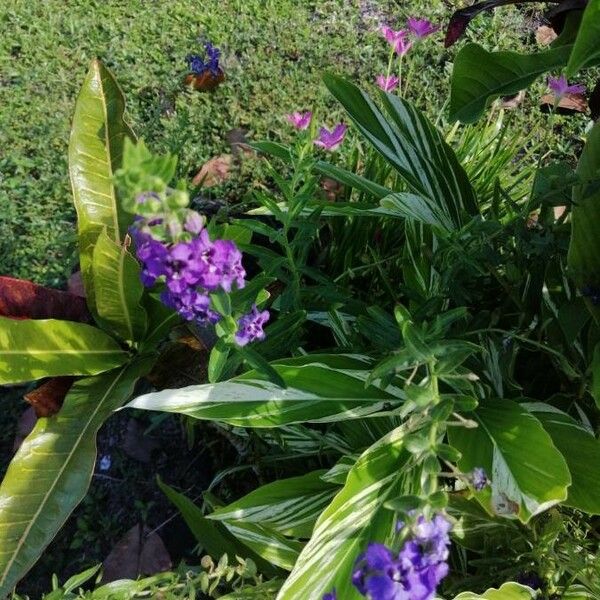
(421, 28)
(396, 39)
(387, 83)
(479, 478)
(330, 595)
(331, 140)
(414, 573)
(300, 120)
(560, 87)
(250, 326)
(198, 65)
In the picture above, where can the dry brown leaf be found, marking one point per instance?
(214, 172)
(47, 399)
(513, 101)
(24, 427)
(333, 189)
(138, 553)
(568, 104)
(545, 35)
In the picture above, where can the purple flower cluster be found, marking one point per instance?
(560, 87)
(479, 478)
(414, 573)
(177, 249)
(199, 65)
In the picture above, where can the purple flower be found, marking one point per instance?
(421, 28)
(479, 478)
(560, 87)
(387, 82)
(331, 140)
(414, 573)
(250, 326)
(330, 595)
(396, 39)
(198, 65)
(192, 305)
(300, 120)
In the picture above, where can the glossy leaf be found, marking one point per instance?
(118, 289)
(212, 536)
(32, 349)
(417, 208)
(480, 76)
(586, 51)
(413, 146)
(580, 449)
(584, 249)
(354, 518)
(289, 506)
(507, 433)
(320, 388)
(507, 591)
(51, 471)
(352, 180)
(95, 152)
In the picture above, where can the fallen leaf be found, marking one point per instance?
(545, 35)
(214, 172)
(136, 444)
(138, 553)
(23, 299)
(513, 101)
(24, 427)
(47, 399)
(568, 104)
(205, 82)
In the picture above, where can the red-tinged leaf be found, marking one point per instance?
(48, 398)
(27, 300)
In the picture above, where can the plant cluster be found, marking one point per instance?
(424, 398)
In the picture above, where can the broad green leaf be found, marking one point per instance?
(586, 51)
(118, 289)
(352, 180)
(580, 449)
(35, 348)
(480, 76)
(412, 146)
(290, 506)
(50, 473)
(354, 518)
(98, 134)
(528, 474)
(584, 249)
(320, 388)
(508, 591)
(417, 208)
(263, 591)
(213, 536)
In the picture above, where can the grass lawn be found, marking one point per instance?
(274, 54)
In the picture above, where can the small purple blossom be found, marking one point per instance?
(396, 39)
(198, 65)
(300, 120)
(421, 28)
(330, 595)
(560, 87)
(414, 573)
(387, 83)
(250, 326)
(331, 140)
(479, 478)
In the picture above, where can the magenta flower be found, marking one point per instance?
(421, 28)
(560, 87)
(299, 120)
(387, 83)
(396, 39)
(331, 140)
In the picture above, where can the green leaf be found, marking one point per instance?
(51, 471)
(352, 180)
(355, 517)
(320, 388)
(213, 536)
(417, 208)
(508, 591)
(118, 289)
(262, 591)
(289, 506)
(580, 449)
(413, 146)
(480, 76)
(595, 368)
(586, 51)
(584, 250)
(31, 349)
(95, 151)
(528, 474)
